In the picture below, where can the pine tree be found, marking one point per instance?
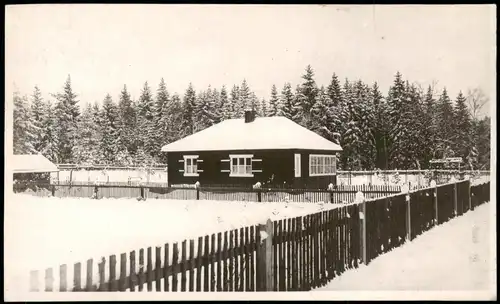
(217, 104)
(273, 102)
(264, 108)
(176, 115)
(226, 104)
(445, 125)
(161, 119)
(335, 94)
(364, 115)
(37, 114)
(96, 114)
(243, 103)
(297, 110)
(482, 140)
(285, 107)
(254, 104)
(142, 158)
(23, 129)
(429, 127)
(187, 126)
(323, 115)
(146, 116)
(232, 107)
(67, 112)
(397, 115)
(110, 130)
(350, 138)
(87, 150)
(98, 125)
(128, 122)
(306, 97)
(334, 91)
(378, 127)
(204, 110)
(463, 127)
(50, 142)
(416, 136)
(146, 103)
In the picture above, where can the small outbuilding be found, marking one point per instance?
(31, 168)
(274, 151)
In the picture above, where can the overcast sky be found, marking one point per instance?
(104, 47)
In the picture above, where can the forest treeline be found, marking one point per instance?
(402, 129)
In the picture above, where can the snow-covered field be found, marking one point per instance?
(456, 256)
(47, 232)
(480, 180)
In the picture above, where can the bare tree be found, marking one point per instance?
(476, 99)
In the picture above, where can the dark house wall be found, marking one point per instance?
(277, 169)
(316, 182)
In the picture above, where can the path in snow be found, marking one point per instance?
(455, 256)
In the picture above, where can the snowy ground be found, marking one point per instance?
(47, 232)
(480, 180)
(456, 256)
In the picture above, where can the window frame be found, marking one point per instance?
(245, 165)
(190, 157)
(320, 162)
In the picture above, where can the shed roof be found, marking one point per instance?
(35, 163)
(264, 133)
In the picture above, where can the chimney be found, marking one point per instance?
(249, 116)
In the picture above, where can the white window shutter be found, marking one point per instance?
(297, 166)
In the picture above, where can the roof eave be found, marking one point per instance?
(36, 171)
(166, 150)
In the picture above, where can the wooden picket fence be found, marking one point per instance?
(339, 194)
(396, 219)
(293, 254)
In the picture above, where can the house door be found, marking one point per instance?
(297, 165)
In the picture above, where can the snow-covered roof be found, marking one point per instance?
(264, 133)
(35, 163)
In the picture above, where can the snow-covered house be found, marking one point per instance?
(274, 151)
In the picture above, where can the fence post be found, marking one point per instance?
(455, 202)
(469, 194)
(331, 196)
(362, 217)
(259, 196)
(53, 190)
(264, 257)
(197, 194)
(406, 190)
(435, 193)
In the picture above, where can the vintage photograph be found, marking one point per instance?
(250, 152)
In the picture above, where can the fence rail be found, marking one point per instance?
(293, 254)
(339, 194)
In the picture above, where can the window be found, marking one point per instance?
(297, 165)
(322, 165)
(241, 165)
(190, 165)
